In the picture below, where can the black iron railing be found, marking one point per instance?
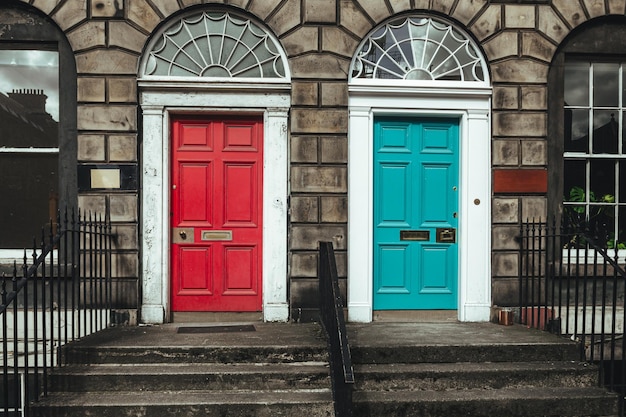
(572, 284)
(333, 321)
(60, 293)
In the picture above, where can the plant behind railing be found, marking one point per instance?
(333, 321)
(572, 284)
(63, 295)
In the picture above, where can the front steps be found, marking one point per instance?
(472, 378)
(401, 369)
(189, 380)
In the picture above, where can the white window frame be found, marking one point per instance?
(589, 156)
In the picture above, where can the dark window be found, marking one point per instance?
(593, 151)
(29, 142)
(37, 125)
(587, 139)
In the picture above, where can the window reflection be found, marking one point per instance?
(605, 131)
(29, 140)
(576, 84)
(605, 85)
(602, 178)
(576, 130)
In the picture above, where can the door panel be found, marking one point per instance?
(196, 280)
(241, 191)
(415, 213)
(195, 203)
(217, 167)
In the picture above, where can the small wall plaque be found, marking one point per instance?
(105, 178)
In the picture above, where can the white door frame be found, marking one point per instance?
(159, 101)
(471, 104)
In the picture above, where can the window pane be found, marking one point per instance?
(29, 98)
(622, 182)
(623, 87)
(623, 152)
(602, 179)
(574, 215)
(602, 221)
(606, 85)
(621, 230)
(29, 193)
(574, 176)
(576, 84)
(576, 130)
(605, 131)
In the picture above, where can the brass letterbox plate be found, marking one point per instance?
(217, 235)
(419, 235)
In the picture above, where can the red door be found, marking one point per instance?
(217, 178)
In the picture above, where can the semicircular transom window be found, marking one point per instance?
(217, 45)
(418, 48)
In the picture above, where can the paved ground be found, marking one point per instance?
(310, 334)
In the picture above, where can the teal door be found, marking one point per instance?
(416, 178)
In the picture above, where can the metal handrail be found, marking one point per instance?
(63, 295)
(333, 322)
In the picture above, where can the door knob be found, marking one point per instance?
(183, 234)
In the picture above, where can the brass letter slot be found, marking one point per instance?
(217, 235)
(421, 235)
(446, 235)
(182, 235)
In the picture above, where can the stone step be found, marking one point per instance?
(510, 402)
(460, 376)
(309, 403)
(564, 350)
(475, 370)
(191, 376)
(78, 354)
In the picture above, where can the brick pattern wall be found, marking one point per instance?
(519, 39)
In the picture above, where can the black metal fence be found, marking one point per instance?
(333, 321)
(60, 293)
(571, 283)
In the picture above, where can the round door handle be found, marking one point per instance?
(183, 234)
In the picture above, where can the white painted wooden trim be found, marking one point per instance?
(158, 102)
(472, 107)
(29, 150)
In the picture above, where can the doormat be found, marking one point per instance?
(217, 329)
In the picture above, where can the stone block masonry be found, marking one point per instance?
(320, 37)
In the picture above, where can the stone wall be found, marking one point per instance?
(519, 39)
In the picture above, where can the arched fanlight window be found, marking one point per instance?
(418, 48)
(215, 44)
